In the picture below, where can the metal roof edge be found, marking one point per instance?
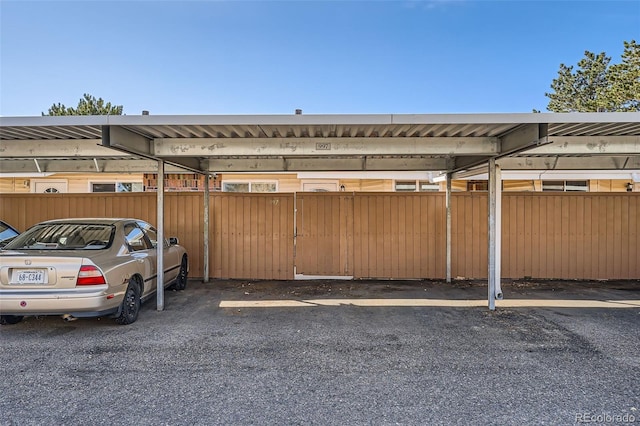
(46, 120)
(323, 119)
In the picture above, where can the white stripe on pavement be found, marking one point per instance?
(509, 303)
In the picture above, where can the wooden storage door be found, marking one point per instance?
(399, 235)
(251, 236)
(469, 235)
(184, 218)
(324, 238)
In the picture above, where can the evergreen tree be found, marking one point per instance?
(88, 105)
(625, 79)
(597, 87)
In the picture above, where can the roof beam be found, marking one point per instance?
(518, 140)
(589, 145)
(317, 164)
(571, 163)
(82, 166)
(523, 138)
(78, 166)
(406, 164)
(125, 140)
(292, 147)
(60, 148)
(465, 162)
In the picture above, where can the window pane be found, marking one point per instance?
(103, 187)
(569, 185)
(124, 187)
(576, 185)
(152, 235)
(135, 237)
(426, 186)
(406, 186)
(553, 185)
(64, 236)
(6, 232)
(477, 185)
(263, 187)
(235, 187)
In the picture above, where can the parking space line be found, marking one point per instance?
(453, 303)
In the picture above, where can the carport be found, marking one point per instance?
(456, 145)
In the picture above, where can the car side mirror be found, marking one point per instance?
(173, 241)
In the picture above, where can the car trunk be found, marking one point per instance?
(39, 271)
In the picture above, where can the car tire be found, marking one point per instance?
(181, 279)
(130, 307)
(10, 319)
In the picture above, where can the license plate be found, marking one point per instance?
(29, 276)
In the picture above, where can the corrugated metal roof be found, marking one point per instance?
(357, 141)
(265, 126)
(306, 131)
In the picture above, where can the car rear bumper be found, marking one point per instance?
(79, 303)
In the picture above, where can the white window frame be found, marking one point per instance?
(419, 187)
(416, 182)
(115, 182)
(250, 182)
(397, 181)
(563, 182)
(320, 183)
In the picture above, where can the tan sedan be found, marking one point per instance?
(85, 268)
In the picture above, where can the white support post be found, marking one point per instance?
(495, 232)
(448, 237)
(206, 228)
(160, 242)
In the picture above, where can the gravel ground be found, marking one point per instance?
(196, 363)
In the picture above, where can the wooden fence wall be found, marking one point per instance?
(383, 235)
(575, 236)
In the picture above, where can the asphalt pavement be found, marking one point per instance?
(196, 363)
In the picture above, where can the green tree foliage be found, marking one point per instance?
(625, 79)
(88, 105)
(596, 86)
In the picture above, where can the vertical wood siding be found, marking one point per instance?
(376, 235)
(571, 236)
(324, 243)
(469, 244)
(399, 235)
(251, 236)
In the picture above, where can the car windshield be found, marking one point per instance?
(64, 236)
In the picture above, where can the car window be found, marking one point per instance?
(152, 234)
(64, 236)
(135, 237)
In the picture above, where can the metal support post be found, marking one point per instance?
(206, 228)
(160, 236)
(448, 237)
(495, 233)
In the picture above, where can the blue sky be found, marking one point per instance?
(325, 57)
